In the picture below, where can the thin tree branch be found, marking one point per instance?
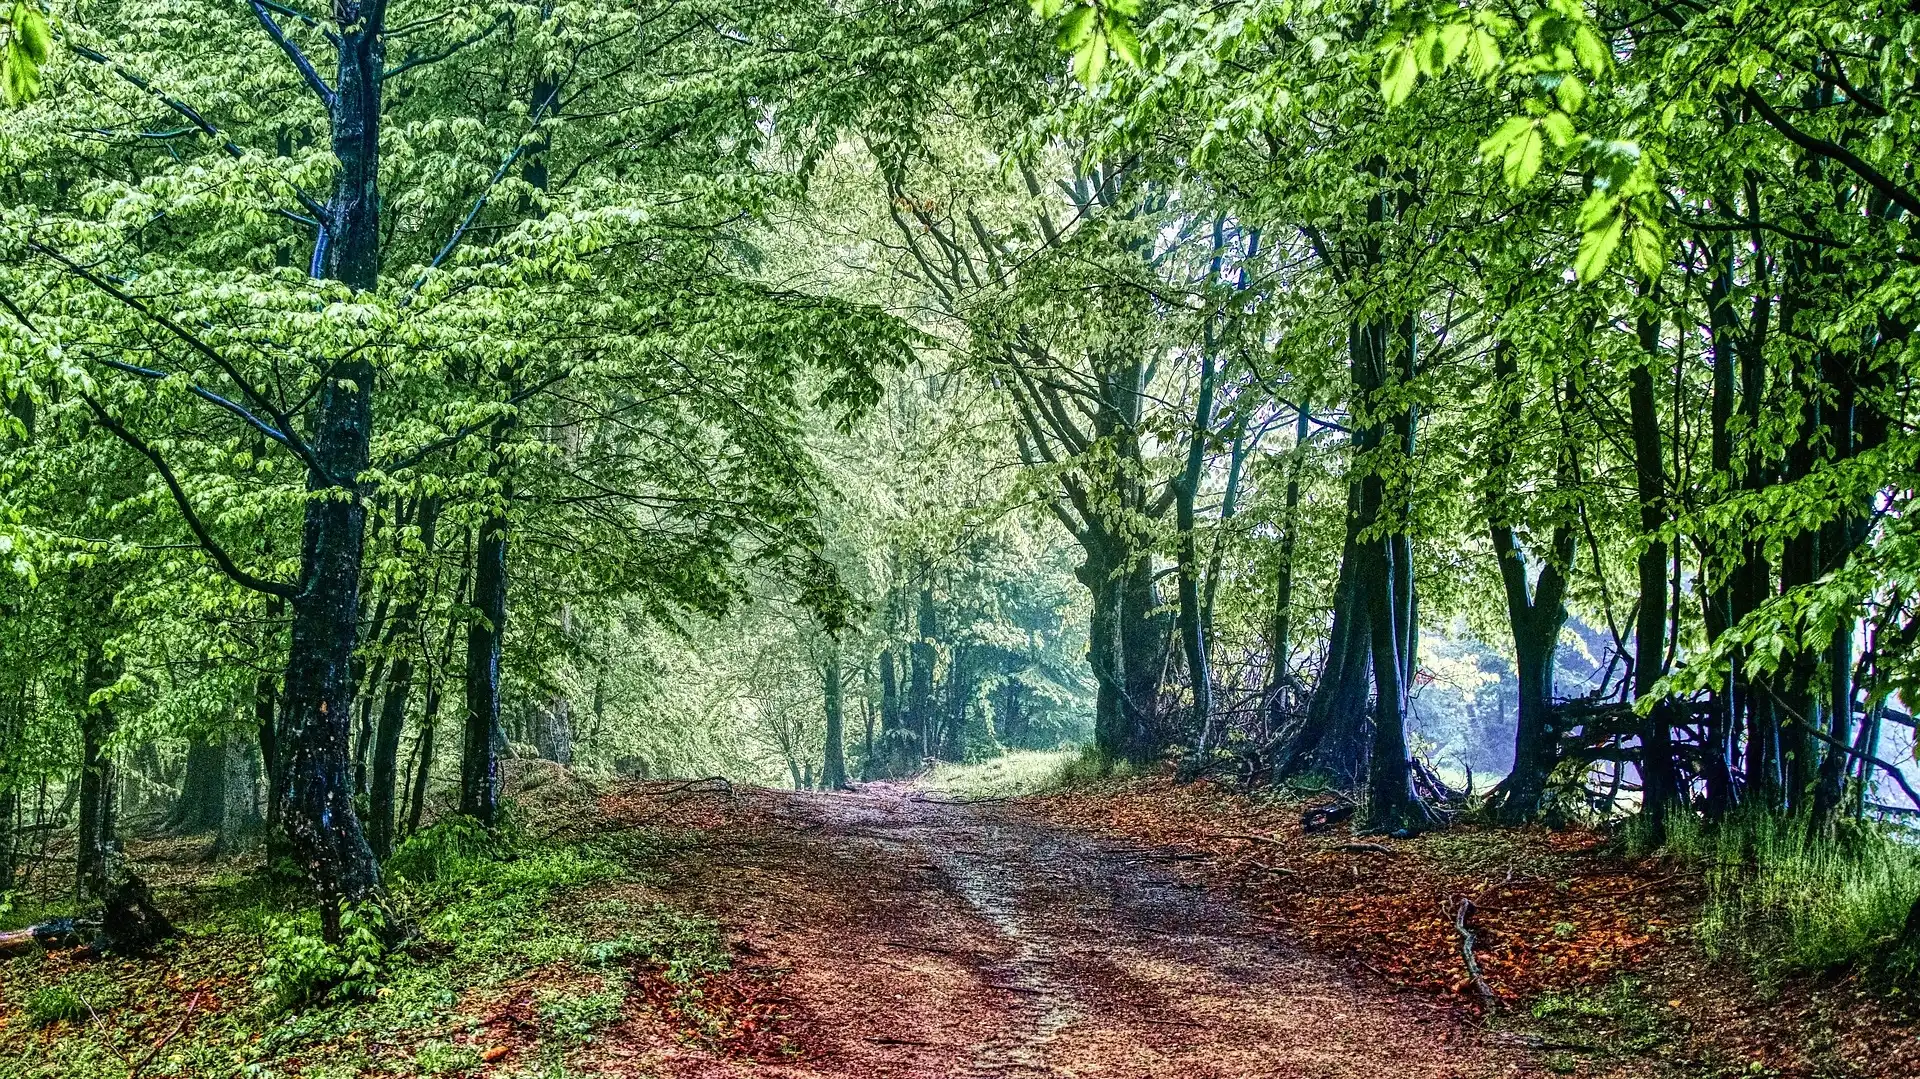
(260, 401)
(211, 397)
(207, 542)
(1894, 193)
(193, 117)
(412, 62)
(300, 61)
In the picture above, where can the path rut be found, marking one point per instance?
(979, 941)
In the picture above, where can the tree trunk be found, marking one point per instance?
(1659, 781)
(921, 657)
(1536, 612)
(833, 771)
(1186, 490)
(240, 818)
(1280, 674)
(202, 788)
(1386, 566)
(1724, 705)
(316, 776)
(479, 760)
(96, 831)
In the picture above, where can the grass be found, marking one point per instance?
(1786, 898)
(1023, 772)
(490, 914)
(1611, 1020)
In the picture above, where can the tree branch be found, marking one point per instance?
(260, 401)
(1893, 192)
(193, 117)
(533, 125)
(207, 542)
(300, 61)
(412, 62)
(211, 397)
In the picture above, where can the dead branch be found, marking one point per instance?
(1361, 848)
(1480, 986)
(1248, 836)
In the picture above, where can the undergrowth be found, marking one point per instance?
(251, 989)
(1784, 897)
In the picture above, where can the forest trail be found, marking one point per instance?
(917, 937)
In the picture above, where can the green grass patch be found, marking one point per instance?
(488, 910)
(1784, 897)
(1614, 1019)
(1013, 775)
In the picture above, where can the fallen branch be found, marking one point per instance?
(705, 785)
(1480, 986)
(1321, 818)
(1247, 835)
(1361, 848)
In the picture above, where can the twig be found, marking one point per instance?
(134, 1066)
(1466, 952)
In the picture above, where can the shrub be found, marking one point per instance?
(300, 967)
(451, 848)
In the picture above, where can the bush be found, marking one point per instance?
(1785, 897)
(300, 967)
(451, 848)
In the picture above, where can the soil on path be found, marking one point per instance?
(914, 937)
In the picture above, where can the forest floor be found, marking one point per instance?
(1140, 929)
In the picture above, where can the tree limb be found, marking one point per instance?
(300, 61)
(193, 117)
(260, 401)
(1893, 192)
(207, 542)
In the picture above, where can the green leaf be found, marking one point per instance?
(1124, 44)
(1453, 41)
(1597, 245)
(1483, 53)
(1090, 59)
(30, 28)
(1077, 27)
(1398, 74)
(1523, 156)
(1558, 128)
(1572, 94)
(1047, 9)
(1495, 145)
(1592, 51)
(1649, 247)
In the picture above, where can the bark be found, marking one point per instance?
(316, 780)
(921, 657)
(94, 843)
(1659, 784)
(202, 788)
(833, 771)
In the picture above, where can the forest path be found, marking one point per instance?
(928, 938)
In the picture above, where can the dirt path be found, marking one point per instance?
(942, 940)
